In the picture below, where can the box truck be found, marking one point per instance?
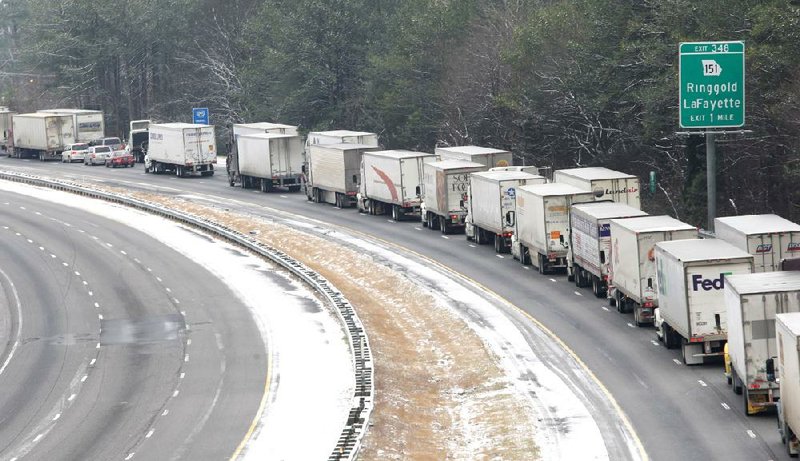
(88, 124)
(41, 135)
(445, 193)
(341, 137)
(752, 302)
(768, 237)
(542, 229)
(138, 136)
(391, 182)
(333, 172)
(604, 183)
(5, 127)
(268, 160)
(691, 304)
(182, 148)
(632, 281)
(787, 337)
(492, 205)
(483, 155)
(589, 256)
(232, 160)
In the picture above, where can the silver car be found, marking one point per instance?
(74, 152)
(97, 155)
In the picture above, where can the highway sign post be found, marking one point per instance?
(711, 95)
(711, 84)
(200, 116)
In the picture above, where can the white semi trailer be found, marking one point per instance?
(542, 229)
(232, 160)
(391, 182)
(333, 172)
(604, 183)
(182, 148)
(589, 260)
(492, 206)
(5, 127)
(484, 155)
(787, 336)
(41, 135)
(89, 124)
(632, 281)
(752, 302)
(445, 193)
(691, 305)
(268, 160)
(768, 237)
(341, 137)
(138, 137)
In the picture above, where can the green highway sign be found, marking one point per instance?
(711, 84)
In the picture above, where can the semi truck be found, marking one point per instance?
(477, 154)
(89, 125)
(445, 193)
(632, 281)
(333, 172)
(589, 254)
(604, 183)
(138, 137)
(492, 205)
(752, 302)
(691, 306)
(267, 160)
(787, 337)
(5, 128)
(232, 159)
(542, 229)
(341, 137)
(41, 135)
(391, 182)
(768, 237)
(182, 148)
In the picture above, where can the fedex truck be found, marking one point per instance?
(691, 311)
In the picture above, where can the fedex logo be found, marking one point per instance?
(793, 247)
(708, 284)
(764, 248)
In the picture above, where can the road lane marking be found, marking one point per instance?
(189, 342)
(55, 418)
(631, 325)
(725, 406)
(41, 248)
(654, 342)
(53, 256)
(418, 228)
(130, 455)
(176, 300)
(123, 252)
(165, 412)
(751, 434)
(605, 308)
(446, 237)
(168, 290)
(501, 256)
(91, 293)
(186, 358)
(77, 273)
(471, 245)
(577, 293)
(30, 241)
(702, 383)
(85, 377)
(85, 282)
(158, 278)
(38, 438)
(66, 264)
(183, 375)
(91, 364)
(72, 397)
(100, 316)
(175, 394)
(283, 196)
(527, 268)
(677, 362)
(391, 220)
(554, 281)
(149, 434)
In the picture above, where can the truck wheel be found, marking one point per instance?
(666, 335)
(596, 289)
(737, 385)
(443, 225)
(434, 222)
(524, 255)
(541, 264)
(498, 244)
(396, 212)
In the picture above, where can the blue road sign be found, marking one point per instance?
(200, 116)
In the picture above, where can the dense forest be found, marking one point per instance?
(560, 83)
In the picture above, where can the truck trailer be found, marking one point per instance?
(484, 155)
(492, 206)
(41, 135)
(333, 172)
(89, 125)
(768, 237)
(232, 159)
(5, 128)
(268, 160)
(391, 182)
(138, 137)
(589, 258)
(787, 338)
(604, 183)
(341, 137)
(182, 148)
(691, 304)
(542, 231)
(632, 281)
(445, 193)
(752, 302)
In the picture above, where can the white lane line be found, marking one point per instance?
(38, 438)
(417, 228)
(109, 245)
(577, 293)
(605, 308)
(677, 362)
(85, 282)
(85, 377)
(30, 241)
(501, 256)
(176, 300)
(725, 406)
(175, 394)
(165, 412)
(100, 316)
(471, 245)
(158, 278)
(95, 237)
(77, 273)
(123, 252)
(527, 268)
(186, 358)
(18, 234)
(53, 256)
(91, 364)
(283, 196)
(751, 434)
(168, 290)
(91, 293)
(654, 342)
(391, 220)
(130, 455)
(55, 418)
(631, 325)
(149, 270)
(702, 383)
(137, 260)
(38, 213)
(81, 231)
(5, 227)
(183, 313)
(149, 434)
(98, 346)
(72, 397)
(446, 237)
(68, 224)
(66, 264)
(553, 280)
(41, 248)
(22, 208)
(183, 375)
(189, 342)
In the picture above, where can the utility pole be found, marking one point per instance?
(711, 178)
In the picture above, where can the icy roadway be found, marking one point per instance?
(678, 412)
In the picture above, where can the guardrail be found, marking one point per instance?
(352, 434)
